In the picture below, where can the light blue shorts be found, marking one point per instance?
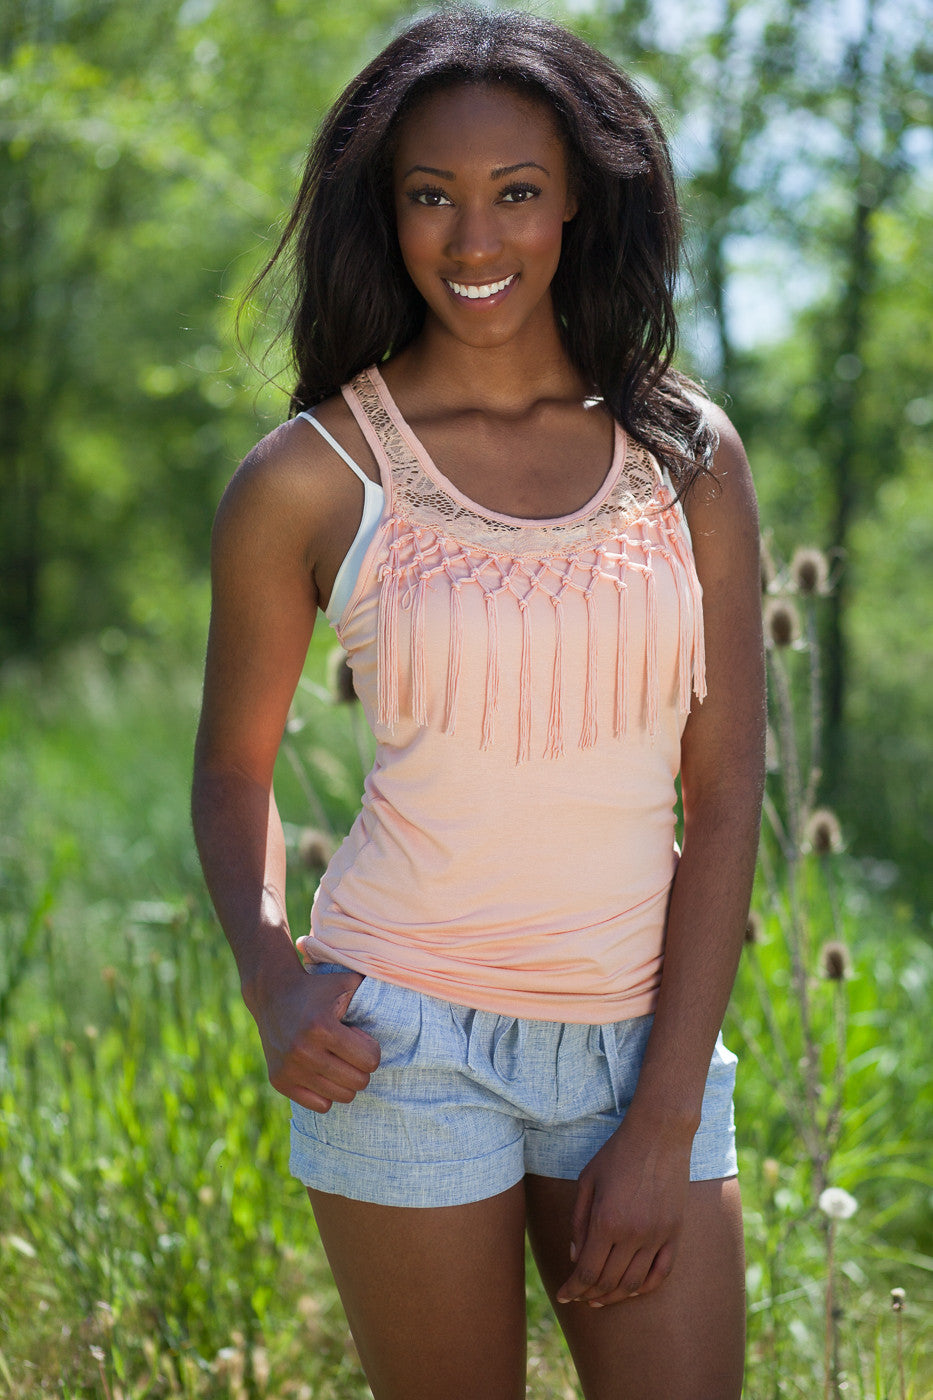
(465, 1102)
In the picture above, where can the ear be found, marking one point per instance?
(571, 207)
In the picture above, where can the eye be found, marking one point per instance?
(430, 197)
(519, 194)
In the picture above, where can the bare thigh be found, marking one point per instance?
(435, 1298)
(686, 1341)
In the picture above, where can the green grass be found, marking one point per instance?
(151, 1240)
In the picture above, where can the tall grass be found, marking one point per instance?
(151, 1242)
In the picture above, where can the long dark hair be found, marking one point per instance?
(613, 291)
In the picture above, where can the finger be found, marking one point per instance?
(660, 1270)
(357, 1048)
(631, 1281)
(588, 1271)
(315, 1102)
(580, 1219)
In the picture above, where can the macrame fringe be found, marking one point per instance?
(588, 732)
(453, 658)
(555, 724)
(492, 671)
(621, 713)
(524, 687)
(419, 707)
(652, 698)
(387, 648)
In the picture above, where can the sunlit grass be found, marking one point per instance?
(151, 1240)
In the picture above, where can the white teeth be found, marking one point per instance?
(474, 293)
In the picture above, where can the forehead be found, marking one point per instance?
(471, 124)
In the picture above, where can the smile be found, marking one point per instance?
(481, 292)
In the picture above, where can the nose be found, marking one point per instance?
(475, 237)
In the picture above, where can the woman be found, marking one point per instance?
(508, 505)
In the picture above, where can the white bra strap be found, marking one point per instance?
(367, 481)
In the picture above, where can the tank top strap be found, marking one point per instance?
(391, 451)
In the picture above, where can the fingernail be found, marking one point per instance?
(597, 1305)
(573, 1252)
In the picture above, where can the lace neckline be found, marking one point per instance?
(616, 466)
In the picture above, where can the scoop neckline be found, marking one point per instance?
(619, 453)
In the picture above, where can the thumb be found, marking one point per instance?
(345, 985)
(580, 1217)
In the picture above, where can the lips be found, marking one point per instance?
(482, 291)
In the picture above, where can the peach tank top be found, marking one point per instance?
(527, 682)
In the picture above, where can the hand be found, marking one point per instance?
(628, 1216)
(312, 1056)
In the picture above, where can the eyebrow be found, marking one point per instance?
(496, 174)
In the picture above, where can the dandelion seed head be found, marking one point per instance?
(810, 571)
(754, 928)
(836, 962)
(898, 1299)
(105, 1317)
(782, 622)
(768, 570)
(837, 1203)
(340, 678)
(822, 833)
(315, 848)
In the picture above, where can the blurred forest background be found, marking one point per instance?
(147, 156)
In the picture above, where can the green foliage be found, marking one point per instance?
(151, 1243)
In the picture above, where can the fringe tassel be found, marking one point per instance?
(453, 657)
(555, 725)
(524, 687)
(419, 707)
(387, 648)
(652, 699)
(492, 671)
(695, 591)
(588, 732)
(621, 715)
(699, 642)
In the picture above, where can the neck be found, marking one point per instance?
(503, 379)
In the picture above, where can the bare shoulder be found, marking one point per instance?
(292, 492)
(723, 505)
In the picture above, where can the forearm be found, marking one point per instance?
(707, 918)
(242, 849)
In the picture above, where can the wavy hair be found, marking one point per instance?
(613, 292)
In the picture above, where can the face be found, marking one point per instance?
(481, 198)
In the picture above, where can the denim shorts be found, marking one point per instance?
(465, 1102)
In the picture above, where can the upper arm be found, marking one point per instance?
(723, 743)
(263, 606)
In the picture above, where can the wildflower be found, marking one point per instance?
(837, 964)
(837, 1203)
(782, 623)
(898, 1299)
(754, 928)
(340, 678)
(315, 848)
(105, 1316)
(822, 833)
(772, 751)
(810, 571)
